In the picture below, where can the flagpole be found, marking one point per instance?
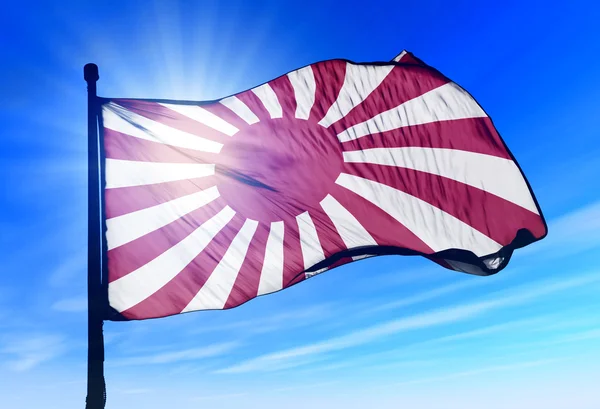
(95, 371)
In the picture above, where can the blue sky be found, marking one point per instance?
(385, 332)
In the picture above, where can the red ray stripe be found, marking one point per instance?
(340, 262)
(386, 230)
(123, 200)
(329, 78)
(493, 216)
(402, 84)
(166, 116)
(247, 281)
(122, 146)
(408, 58)
(285, 94)
(177, 293)
(297, 279)
(133, 255)
(293, 263)
(225, 114)
(473, 134)
(330, 240)
(255, 105)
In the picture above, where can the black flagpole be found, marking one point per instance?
(96, 397)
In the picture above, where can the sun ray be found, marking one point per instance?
(360, 81)
(140, 284)
(131, 256)
(271, 275)
(215, 291)
(445, 103)
(312, 251)
(125, 173)
(348, 227)
(440, 230)
(474, 169)
(205, 117)
(178, 292)
(240, 109)
(119, 119)
(269, 100)
(128, 227)
(467, 203)
(303, 82)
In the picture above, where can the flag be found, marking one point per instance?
(210, 204)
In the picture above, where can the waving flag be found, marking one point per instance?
(210, 204)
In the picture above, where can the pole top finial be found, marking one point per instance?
(90, 73)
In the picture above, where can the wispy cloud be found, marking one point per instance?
(177, 356)
(73, 304)
(402, 277)
(70, 268)
(586, 335)
(218, 396)
(395, 357)
(355, 338)
(28, 351)
(134, 391)
(433, 318)
(310, 386)
(495, 368)
(569, 234)
(488, 330)
(428, 295)
(274, 322)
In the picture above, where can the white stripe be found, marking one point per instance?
(271, 276)
(140, 284)
(312, 252)
(205, 117)
(360, 81)
(303, 82)
(269, 99)
(445, 103)
(240, 109)
(353, 233)
(492, 174)
(119, 119)
(215, 291)
(128, 227)
(399, 56)
(438, 229)
(125, 173)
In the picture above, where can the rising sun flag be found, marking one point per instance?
(207, 205)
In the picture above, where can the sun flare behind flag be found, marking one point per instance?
(210, 204)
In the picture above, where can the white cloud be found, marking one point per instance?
(74, 304)
(448, 315)
(177, 356)
(28, 351)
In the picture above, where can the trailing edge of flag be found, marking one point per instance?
(210, 204)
